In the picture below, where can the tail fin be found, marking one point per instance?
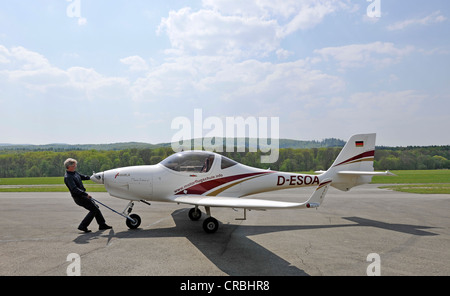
(354, 165)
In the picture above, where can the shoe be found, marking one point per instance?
(104, 227)
(84, 229)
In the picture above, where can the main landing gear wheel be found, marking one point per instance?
(195, 214)
(135, 223)
(210, 225)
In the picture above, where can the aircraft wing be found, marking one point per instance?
(254, 204)
(234, 202)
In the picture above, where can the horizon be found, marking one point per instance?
(166, 143)
(192, 139)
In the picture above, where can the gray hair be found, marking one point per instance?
(69, 162)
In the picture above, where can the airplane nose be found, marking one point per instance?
(98, 178)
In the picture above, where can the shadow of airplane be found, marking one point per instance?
(233, 252)
(404, 228)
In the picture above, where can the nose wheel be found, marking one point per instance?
(133, 221)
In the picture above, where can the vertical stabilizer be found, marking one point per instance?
(354, 165)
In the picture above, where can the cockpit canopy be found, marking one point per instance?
(195, 161)
(190, 161)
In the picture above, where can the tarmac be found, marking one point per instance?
(410, 234)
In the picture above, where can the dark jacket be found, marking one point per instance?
(74, 182)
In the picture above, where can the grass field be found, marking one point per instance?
(421, 182)
(45, 184)
(421, 189)
(415, 177)
(32, 181)
(424, 182)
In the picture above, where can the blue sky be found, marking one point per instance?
(86, 71)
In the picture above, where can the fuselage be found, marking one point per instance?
(196, 173)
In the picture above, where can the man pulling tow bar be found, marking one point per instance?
(74, 181)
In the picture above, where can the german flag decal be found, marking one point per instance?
(359, 143)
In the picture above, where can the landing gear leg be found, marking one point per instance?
(133, 221)
(128, 208)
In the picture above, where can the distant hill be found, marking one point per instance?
(73, 147)
(331, 142)
(283, 143)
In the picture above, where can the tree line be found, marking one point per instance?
(50, 163)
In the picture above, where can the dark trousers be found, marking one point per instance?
(94, 211)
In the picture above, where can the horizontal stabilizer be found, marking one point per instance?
(362, 173)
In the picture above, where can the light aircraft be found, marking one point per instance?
(207, 179)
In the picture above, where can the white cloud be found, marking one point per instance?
(172, 79)
(32, 73)
(283, 54)
(94, 86)
(253, 84)
(283, 83)
(135, 63)
(207, 32)
(242, 29)
(4, 55)
(25, 59)
(50, 101)
(284, 10)
(309, 15)
(435, 17)
(378, 54)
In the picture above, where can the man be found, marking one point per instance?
(74, 182)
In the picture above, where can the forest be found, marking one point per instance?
(15, 164)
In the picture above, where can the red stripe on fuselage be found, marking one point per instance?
(204, 187)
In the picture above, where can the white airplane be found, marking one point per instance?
(207, 179)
